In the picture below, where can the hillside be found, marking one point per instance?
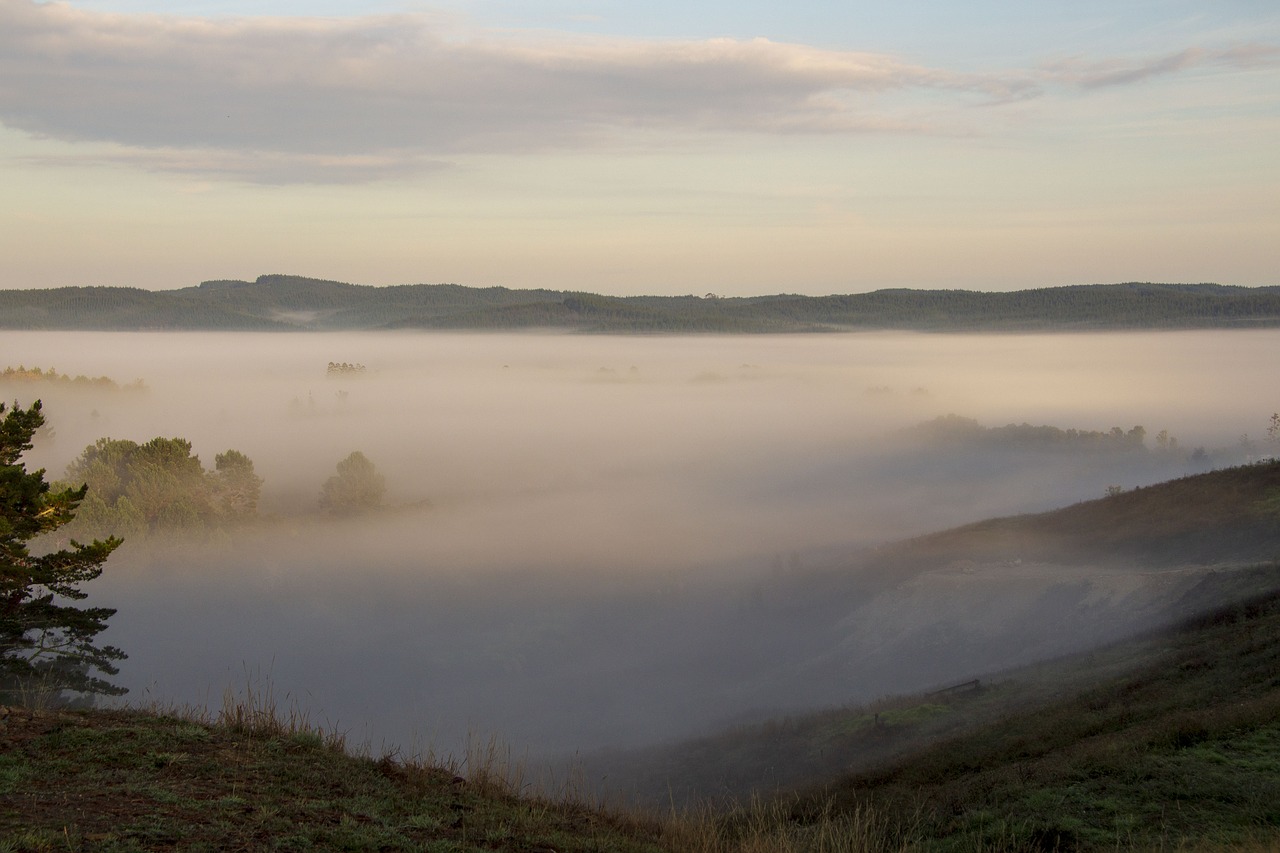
(281, 302)
(129, 780)
(1173, 743)
(944, 609)
(799, 750)
(939, 609)
(1183, 750)
(1229, 515)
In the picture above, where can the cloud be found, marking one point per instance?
(283, 100)
(1118, 72)
(381, 95)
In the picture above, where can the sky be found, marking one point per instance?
(661, 148)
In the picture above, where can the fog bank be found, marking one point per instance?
(575, 526)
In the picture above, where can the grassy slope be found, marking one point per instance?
(114, 780)
(1222, 517)
(787, 753)
(1232, 514)
(1182, 751)
(1177, 532)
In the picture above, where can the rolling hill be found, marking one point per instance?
(282, 302)
(945, 609)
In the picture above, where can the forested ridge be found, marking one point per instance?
(281, 302)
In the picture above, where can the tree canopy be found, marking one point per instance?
(357, 487)
(161, 486)
(46, 643)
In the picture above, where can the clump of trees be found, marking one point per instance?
(47, 644)
(161, 486)
(28, 375)
(356, 488)
(342, 368)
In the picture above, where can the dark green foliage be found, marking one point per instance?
(161, 486)
(117, 308)
(292, 302)
(356, 488)
(46, 645)
(236, 487)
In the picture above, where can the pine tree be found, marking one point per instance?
(46, 644)
(236, 487)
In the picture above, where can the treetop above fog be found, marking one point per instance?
(356, 488)
(39, 376)
(161, 486)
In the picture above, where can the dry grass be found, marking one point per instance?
(259, 774)
(776, 827)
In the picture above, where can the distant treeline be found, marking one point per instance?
(960, 430)
(281, 302)
(37, 375)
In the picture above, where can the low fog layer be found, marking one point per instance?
(577, 529)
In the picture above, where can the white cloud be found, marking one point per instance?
(282, 100)
(383, 94)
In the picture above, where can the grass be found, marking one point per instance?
(1168, 741)
(1174, 746)
(769, 827)
(1227, 515)
(1184, 751)
(254, 778)
(1181, 753)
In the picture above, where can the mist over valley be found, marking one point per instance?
(566, 427)
(591, 541)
